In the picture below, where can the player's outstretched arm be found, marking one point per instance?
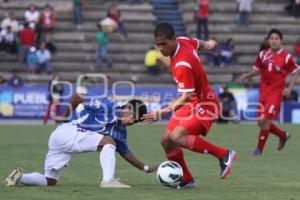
(207, 45)
(286, 92)
(248, 75)
(134, 161)
(157, 115)
(75, 100)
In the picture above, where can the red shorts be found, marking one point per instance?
(197, 120)
(269, 108)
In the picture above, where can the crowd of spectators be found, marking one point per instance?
(34, 31)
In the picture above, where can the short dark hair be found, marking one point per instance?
(164, 29)
(139, 108)
(276, 31)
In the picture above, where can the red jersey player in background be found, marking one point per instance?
(195, 110)
(274, 65)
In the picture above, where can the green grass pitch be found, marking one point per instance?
(275, 175)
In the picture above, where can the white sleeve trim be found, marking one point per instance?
(287, 58)
(186, 90)
(198, 43)
(183, 63)
(183, 38)
(261, 55)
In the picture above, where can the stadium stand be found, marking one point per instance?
(267, 14)
(167, 11)
(76, 47)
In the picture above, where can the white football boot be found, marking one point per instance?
(13, 178)
(113, 183)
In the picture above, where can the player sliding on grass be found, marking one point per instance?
(195, 110)
(274, 65)
(81, 134)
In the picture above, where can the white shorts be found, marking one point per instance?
(65, 141)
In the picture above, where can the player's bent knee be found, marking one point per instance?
(106, 140)
(51, 181)
(178, 135)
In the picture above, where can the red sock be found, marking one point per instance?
(262, 139)
(177, 156)
(198, 144)
(277, 131)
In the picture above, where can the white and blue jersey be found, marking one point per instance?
(101, 115)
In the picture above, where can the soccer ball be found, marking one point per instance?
(169, 173)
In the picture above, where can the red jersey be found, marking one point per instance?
(27, 37)
(274, 68)
(188, 71)
(203, 8)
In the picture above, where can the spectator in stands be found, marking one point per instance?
(77, 17)
(297, 51)
(27, 39)
(55, 91)
(15, 81)
(115, 14)
(227, 53)
(32, 16)
(47, 23)
(32, 60)
(214, 55)
(8, 41)
(201, 17)
(2, 80)
(296, 9)
(10, 20)
(153, 61)
(293, 8)
(44, 58)
(244, 8)
(101, 52)
(227, 101)
(265, 44)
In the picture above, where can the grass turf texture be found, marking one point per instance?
(275, 175)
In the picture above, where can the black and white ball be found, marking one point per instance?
(169, 173)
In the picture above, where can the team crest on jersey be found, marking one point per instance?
(181, 85)
(277, 68)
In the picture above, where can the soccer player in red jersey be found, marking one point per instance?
(195, 110)
(274, 65)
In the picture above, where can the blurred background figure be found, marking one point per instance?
(44, 59)
(55, 92)
(15, 81)
(102, 44)
(8, 41)
(77, 17)
(26, 40)
(227, 54)
(32, 16)
(32, 60)
(115, 14)
(10, 20)
(152, 61)
(47, 24)
(228, 104)
(201, 17)
(244, 8)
